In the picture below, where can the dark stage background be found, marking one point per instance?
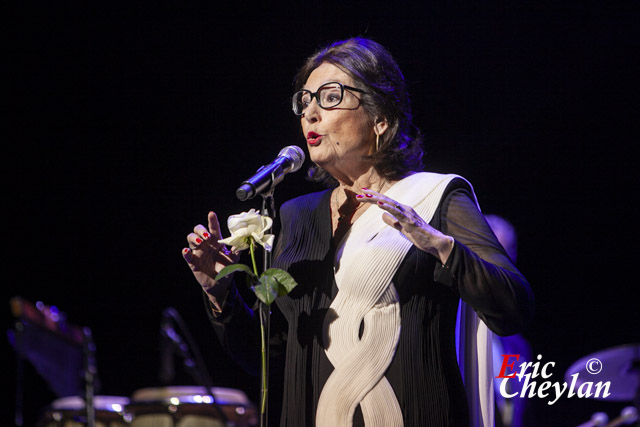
(127, 124)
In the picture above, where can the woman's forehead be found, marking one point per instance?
(326, 73)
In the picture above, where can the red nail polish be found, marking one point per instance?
(380, 203)
(198, 240)
(365, 188)
(359, 196)
(206, 235)
(369, 195)
(185, 250)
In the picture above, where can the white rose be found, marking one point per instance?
(247, 226)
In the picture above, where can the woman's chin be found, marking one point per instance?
(318, 157)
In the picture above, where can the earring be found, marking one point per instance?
(377, 142)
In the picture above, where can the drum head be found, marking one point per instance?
(70, 411)
(191, 406)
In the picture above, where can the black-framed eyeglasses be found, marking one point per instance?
(329, 95)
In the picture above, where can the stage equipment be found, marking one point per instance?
(619, 366)
(290, 159)
(62, 353)
(627, 416)
(598, 419)
(110, 411)
(181, 342)
(186, 406)
(264, 182)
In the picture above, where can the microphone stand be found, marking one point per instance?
(268, 209)
(90, 372)
(194, 364)
(20, 351)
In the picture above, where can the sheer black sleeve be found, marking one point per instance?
(237, 329)
(480, 271)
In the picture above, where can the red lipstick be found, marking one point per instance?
(313, 138)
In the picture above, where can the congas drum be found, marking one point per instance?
(110, 411)
(191, 406)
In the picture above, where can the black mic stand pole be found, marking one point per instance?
(90, 372)
(202, 378)
(193, 363)
(20, 351)
(268, 209)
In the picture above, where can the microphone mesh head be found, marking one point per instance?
(295, 154)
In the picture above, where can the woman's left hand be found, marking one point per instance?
(404, 219)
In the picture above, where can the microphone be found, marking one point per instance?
(289, 159)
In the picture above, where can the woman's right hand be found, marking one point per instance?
(206, 257)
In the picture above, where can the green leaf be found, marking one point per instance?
(284, 281)
(230, 269)
(266, 290)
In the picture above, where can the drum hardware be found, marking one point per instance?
(62, 353)
(43, 336)
(188, 351)
(183, 406)
(627, 416)
(598, 419)
(620, 366)
(110, 411)
(90, 371)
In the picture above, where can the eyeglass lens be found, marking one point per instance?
(328, 95)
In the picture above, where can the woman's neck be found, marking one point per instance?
(345, 208)
(352, 185)
(344, 196)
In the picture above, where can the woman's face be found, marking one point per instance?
(337, 138)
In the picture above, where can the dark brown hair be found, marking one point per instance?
(375, 71)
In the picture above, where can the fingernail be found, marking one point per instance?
(380, 203)
(365, 188)
(206, 235)
(369, 195)
(198, 240)
(359, 196)
(185, 250)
